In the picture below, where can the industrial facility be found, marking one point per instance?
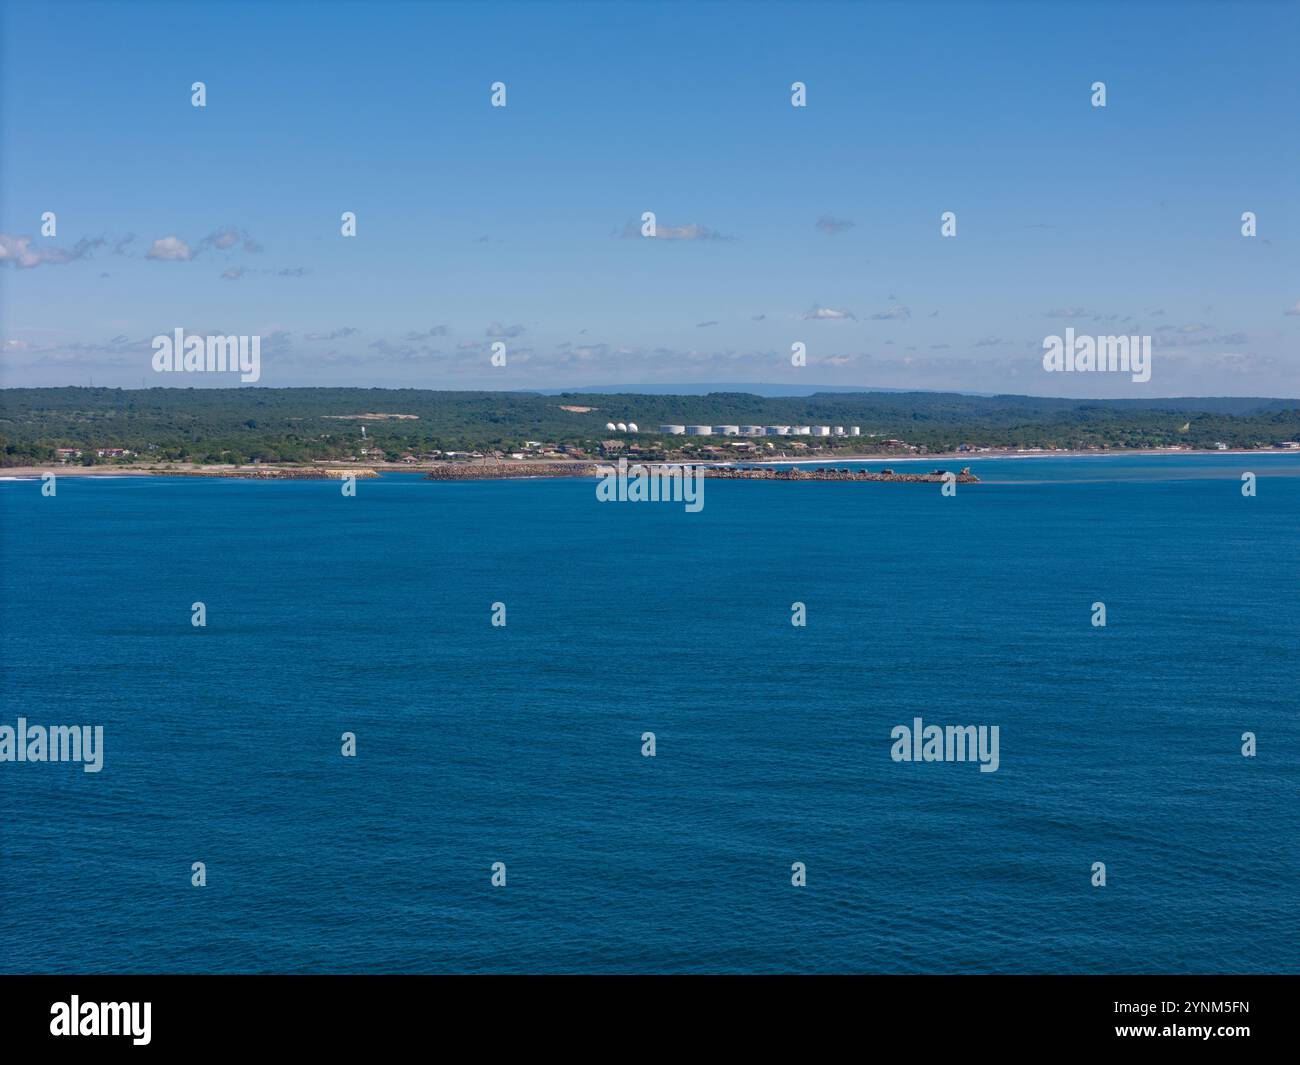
(760, 430)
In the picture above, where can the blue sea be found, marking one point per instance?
(522, 743)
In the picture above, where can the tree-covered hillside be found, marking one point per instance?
(299, 424)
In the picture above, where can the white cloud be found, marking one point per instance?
(691, 231)
(170, 248)
(829, 314)
(19, 252)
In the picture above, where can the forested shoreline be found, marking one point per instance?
(240, 425)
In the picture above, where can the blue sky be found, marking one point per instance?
(478, 223)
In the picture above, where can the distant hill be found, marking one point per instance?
(1219, 404)
(690, 389)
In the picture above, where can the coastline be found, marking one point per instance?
(334, 471)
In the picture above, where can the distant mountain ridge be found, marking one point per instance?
(775, 391)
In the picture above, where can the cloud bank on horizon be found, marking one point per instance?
(928, 207)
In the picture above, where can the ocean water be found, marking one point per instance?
(522, 744)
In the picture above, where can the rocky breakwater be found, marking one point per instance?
(486, 471)
(468, 471)
(279, 473)
(767, 473)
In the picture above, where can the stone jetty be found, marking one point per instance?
(277, 473)
(467, 471)
(493, 471)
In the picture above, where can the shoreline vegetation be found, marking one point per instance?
(310, 433)
(516, 469)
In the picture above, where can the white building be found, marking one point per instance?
(631, 427)
(821, 430)
(751, 430)
(672, 430)
(800, 430)
(699, 430)
(727, 430)
(622, 427)
(855, 430)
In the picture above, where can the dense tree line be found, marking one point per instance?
(300, 424)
